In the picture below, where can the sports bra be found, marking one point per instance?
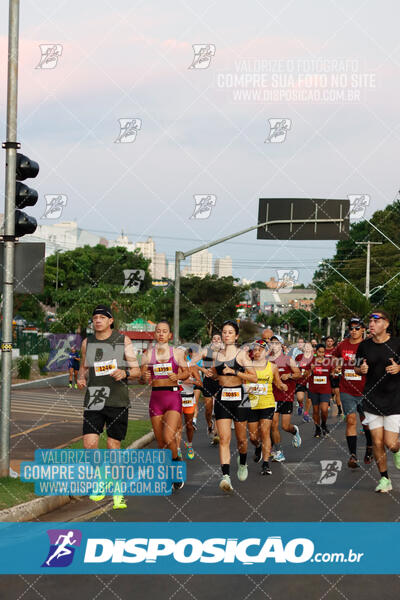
(161, 370)
(232, 363)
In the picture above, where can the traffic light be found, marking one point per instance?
(24, 195)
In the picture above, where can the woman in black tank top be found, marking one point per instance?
(231, 367)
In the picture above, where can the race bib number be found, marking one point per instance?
(188, 401)
(229, 394)
(105, 367)
(258, 389)
(163, 369)
(351, 375)
(320, 379)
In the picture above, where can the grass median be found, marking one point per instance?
(14, 491)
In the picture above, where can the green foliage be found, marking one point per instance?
(43, 359)
(24, 366)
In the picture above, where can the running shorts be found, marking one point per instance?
(188, 404)
(350, 403)
(389, 423)
(317, 398)
(256, 414)
(301, 388)
(163, 399)
(334, 381)
(115, 418)
(284, 407)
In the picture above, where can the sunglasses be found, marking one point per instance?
(375, 317)
(356, 328)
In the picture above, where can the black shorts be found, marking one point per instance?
(210, 387)
(114, 417)
(300, 388)
(256, 414)
(284, 407)
(230, 409)
(198, 387)
(334, 381)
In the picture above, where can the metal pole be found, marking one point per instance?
(367, 273)
(56, 303)
(328, 328)
(9, 231)
(178, 257)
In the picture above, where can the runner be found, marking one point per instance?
(351, 390)
(73, 366)
(262, 404)
(210, 385)
(378, 358)
(289, 374)
(103, 373)
(267, 334)
(335, 380)
(295, 351)
(319, 389)
(303, 362)
(232, 367)
(163, 366)
(188, 406)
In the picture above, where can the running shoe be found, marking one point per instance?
(300, 411)
(97, 498)
(369, 457)
(296, 441)
(225, 484)
(194, 422)
(242, 471)
(306, 418)
(70, 385)
(189, 451)
(396, 458)
(278, 456)
(325, 430)
(257, 454)
(352, 463)
(76, 386)
(215, 439)
(119, 502)
(384, 486)
(178, 485)
(317, 432)
(266, 469)
(179, 454)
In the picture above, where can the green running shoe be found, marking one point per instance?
(119, 502)
(396, 458)
(242, 471)
(384, 486)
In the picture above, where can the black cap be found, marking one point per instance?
(356, 321)
(103, 309)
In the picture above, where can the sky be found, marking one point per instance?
(328, 71)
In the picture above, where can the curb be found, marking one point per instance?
(55, 381)
(40, 506)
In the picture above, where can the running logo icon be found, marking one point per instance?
(50, 55)
(358, 204)
(286, 280)
(97, 397)
(128, 129)
(133, 280)
(62, 547)
(203, 205)
(330, 471)
(278, 129)
(203, 54)
(55, 204)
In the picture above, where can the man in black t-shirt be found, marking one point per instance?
(378, 358)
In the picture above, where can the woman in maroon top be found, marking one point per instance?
(319, 389)
(303, 362)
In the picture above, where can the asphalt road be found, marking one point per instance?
(292, 493)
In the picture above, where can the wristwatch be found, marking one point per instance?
(128, 373)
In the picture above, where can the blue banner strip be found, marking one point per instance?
(199, 548)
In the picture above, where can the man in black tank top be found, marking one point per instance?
(108, 362)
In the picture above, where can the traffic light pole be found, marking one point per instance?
(179, 256)
(9, 230)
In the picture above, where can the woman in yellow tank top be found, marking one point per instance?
(262, 404)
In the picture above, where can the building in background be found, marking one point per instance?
(201, 263)
(223, 267)
(123, 241)
(64, 236)
(277, 301)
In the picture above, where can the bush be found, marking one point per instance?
(24, 365)
(43, 359)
